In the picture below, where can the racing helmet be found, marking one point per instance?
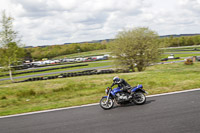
(116, 79)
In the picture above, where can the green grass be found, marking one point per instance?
(184, 47)
(65, 92)
(176, 51)
(179, 55)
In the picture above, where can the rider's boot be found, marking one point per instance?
(131, 95)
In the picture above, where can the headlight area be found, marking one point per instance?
(106, 91)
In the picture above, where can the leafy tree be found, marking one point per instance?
(182, 41)
(196, 40)
(138, 48)
(10, 50)
(190, 41)
(27, 55)
(53, 51)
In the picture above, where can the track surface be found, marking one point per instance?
(177, 113)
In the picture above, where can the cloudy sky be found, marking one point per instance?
(48, 22)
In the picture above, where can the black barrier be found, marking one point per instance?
(73, 74)
(48, 69)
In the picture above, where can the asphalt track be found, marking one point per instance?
(174, 113)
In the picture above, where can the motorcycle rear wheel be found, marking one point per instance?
(107, 105)
(139, 98)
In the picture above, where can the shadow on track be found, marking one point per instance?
(132, 104)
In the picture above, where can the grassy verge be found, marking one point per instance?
(180, 55)
(183, 48)
(182, 51)
(26, 97)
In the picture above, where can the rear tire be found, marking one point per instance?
(139, 98)
(107, 105)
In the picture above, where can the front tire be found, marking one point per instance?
(139, 98)
(107, 105)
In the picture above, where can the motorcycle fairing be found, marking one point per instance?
(139, 87)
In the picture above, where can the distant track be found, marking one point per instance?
(64, 65)
(51, 73)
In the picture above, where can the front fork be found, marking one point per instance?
(108, 97)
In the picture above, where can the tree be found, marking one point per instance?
(136, 48)
(10, 51)
(189, 41)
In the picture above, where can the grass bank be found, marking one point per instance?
(49, 94)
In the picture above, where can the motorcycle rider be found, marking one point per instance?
(123, 84)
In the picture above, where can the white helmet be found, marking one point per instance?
(116, 79)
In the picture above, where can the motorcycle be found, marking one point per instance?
(136, 95)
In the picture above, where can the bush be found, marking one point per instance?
(188, 62)
(3, 97)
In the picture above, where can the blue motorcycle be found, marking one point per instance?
(136, 95)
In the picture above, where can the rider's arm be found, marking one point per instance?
(113, 84)
(120, 81)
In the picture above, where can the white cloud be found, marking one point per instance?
(47, 22)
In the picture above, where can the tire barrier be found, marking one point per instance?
(75, 74)
(166, 59)
(48, 69)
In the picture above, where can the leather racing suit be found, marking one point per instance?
(123, 84)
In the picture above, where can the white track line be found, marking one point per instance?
(176, 92)
(88, 105)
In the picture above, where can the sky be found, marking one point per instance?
(50, 22)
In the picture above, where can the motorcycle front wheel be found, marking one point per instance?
(106, 105)
(139, 98)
